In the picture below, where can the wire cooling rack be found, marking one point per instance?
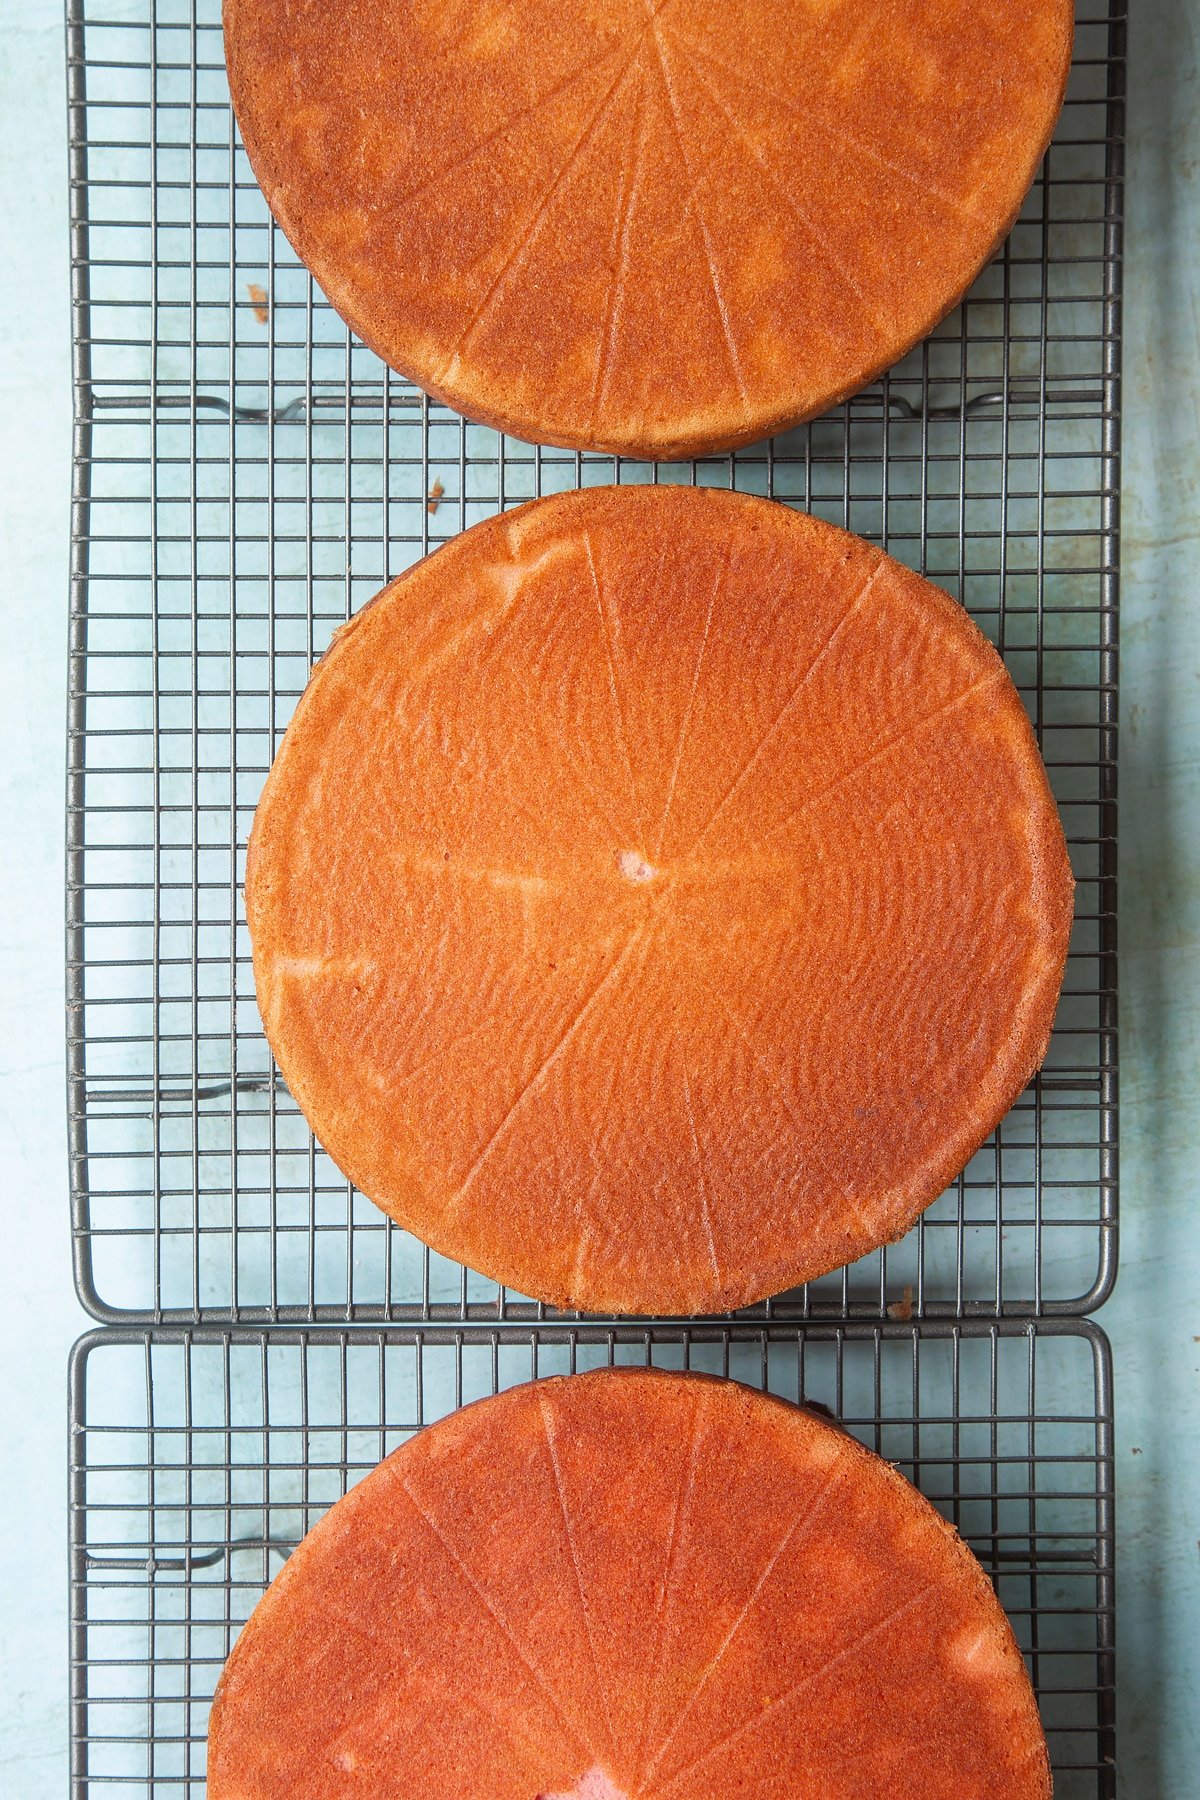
(246, 475)
(199, 1459)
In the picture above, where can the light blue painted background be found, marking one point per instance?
(1155, 1317)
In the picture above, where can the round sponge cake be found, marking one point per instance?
(629, 1585)
(657, 898)
(658, 227)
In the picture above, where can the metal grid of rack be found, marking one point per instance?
(198, 1460)
(247, 475)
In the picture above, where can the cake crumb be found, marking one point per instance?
(258, 300)
(902, 1309)
(435, 495)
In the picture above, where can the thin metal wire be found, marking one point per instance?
(199, 1459)
(244, 483)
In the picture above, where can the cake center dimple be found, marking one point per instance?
(634, 867)
(595, 1785)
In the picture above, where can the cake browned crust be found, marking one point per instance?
(656, 227)
(657, 898)
(629, 1585)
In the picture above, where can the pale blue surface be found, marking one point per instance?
(1155, 1319)
(40, 1317)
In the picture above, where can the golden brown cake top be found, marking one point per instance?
(657, 898)
(650, 226)
(629, 1586)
